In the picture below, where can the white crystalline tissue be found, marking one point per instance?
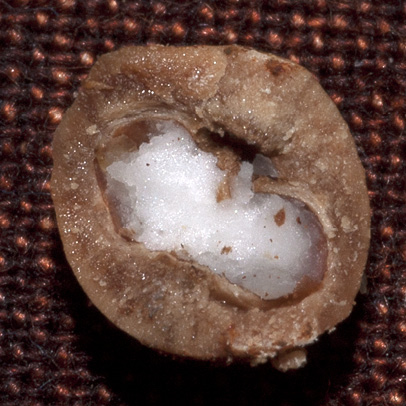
(167, 191)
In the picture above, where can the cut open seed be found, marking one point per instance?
(161, 148)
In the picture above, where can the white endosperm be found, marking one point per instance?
(167, 191)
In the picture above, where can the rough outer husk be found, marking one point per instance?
(177, 306)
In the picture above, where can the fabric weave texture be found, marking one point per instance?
(55, 347)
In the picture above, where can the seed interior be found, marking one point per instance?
(168, 195)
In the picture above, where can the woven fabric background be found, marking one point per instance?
(55, 348)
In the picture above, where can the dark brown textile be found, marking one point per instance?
(55, 348)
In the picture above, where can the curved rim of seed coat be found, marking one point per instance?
(274, 104)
